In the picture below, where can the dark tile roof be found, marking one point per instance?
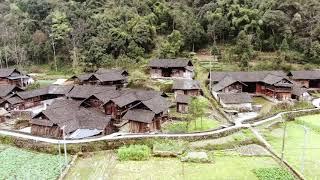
(173, 63)
(110, 76)
(305, 74)
(52, 89)
(298, 91)
(157, 104)
(185, 99)
(14, 100)
(105, 97)
(225, 82)
(73, 117)
(6, 72)
(254, 76)
(5, 90)
(186, 84)
(119, 71)
(33, 93)
(235, 98)
(125, 99)
(139, 115)
(86, 91)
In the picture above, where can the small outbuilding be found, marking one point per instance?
(183, 102)
(300, 93)
(142, 121)
(236, 101)
(308, 79)
(187, 87)
(171, 68)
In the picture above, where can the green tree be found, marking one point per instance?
(171, 47)
(197, 109)
(59, 31)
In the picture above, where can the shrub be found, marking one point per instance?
(33, 86)
(134, 152)
(273, 174)
(169, 148)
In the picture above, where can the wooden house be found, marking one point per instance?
(171, 68)
(236, 101)
(35, 97)
(105, 77)
(183, 102)
(7, 90)
(68, 117)
(12, 102)
(186, 87)
(271, 83)
(308, 79)
(12, 76)
(142, 121)
(82, 92)
(301, 93)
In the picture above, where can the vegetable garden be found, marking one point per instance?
(22, 164)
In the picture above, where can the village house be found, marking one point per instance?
(307, 79)
(183, 102)
(105, 77)
(66, 116)
(12, 102)
(36, 97)
(301, 93)
(186, 87)
(122, 104)
(7, 90)
(11, 76)
(171, 68)
(82, 92)
(236, 101)
(274, 84)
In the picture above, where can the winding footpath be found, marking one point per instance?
(123, 136)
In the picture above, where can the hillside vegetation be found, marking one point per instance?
(85, 34)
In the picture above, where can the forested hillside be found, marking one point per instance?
(108, 32)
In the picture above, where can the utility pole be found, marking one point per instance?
(59, 148)
(64, 146)
(283, 139)
(304, 148)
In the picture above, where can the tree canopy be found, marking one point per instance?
(101, 32)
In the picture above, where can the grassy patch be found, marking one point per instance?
(266, 105)
(44, 83)
(284, 106)
(273, 174)
(168, 145)
(294, 146)
(95, 167)
(234, 140)
(134, 152)
(193, 126)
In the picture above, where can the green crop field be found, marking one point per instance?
(22, 164)
(304, 160)
(225, 166)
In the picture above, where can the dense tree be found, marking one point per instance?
(100, 32)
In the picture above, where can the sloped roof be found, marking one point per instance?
(174, 63)
(125, 99)
(305, 74)
(105, 97)
(6, 72)
(185, 99)
(110, 76)
(72, 117)
(52, 89)
(139, 115)
(186, 84)
(5, 90)
(157, 104)
(235, 98)
(119, 71)
(225, 82)
(254, 76)
(298, 91)
(86, 91)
